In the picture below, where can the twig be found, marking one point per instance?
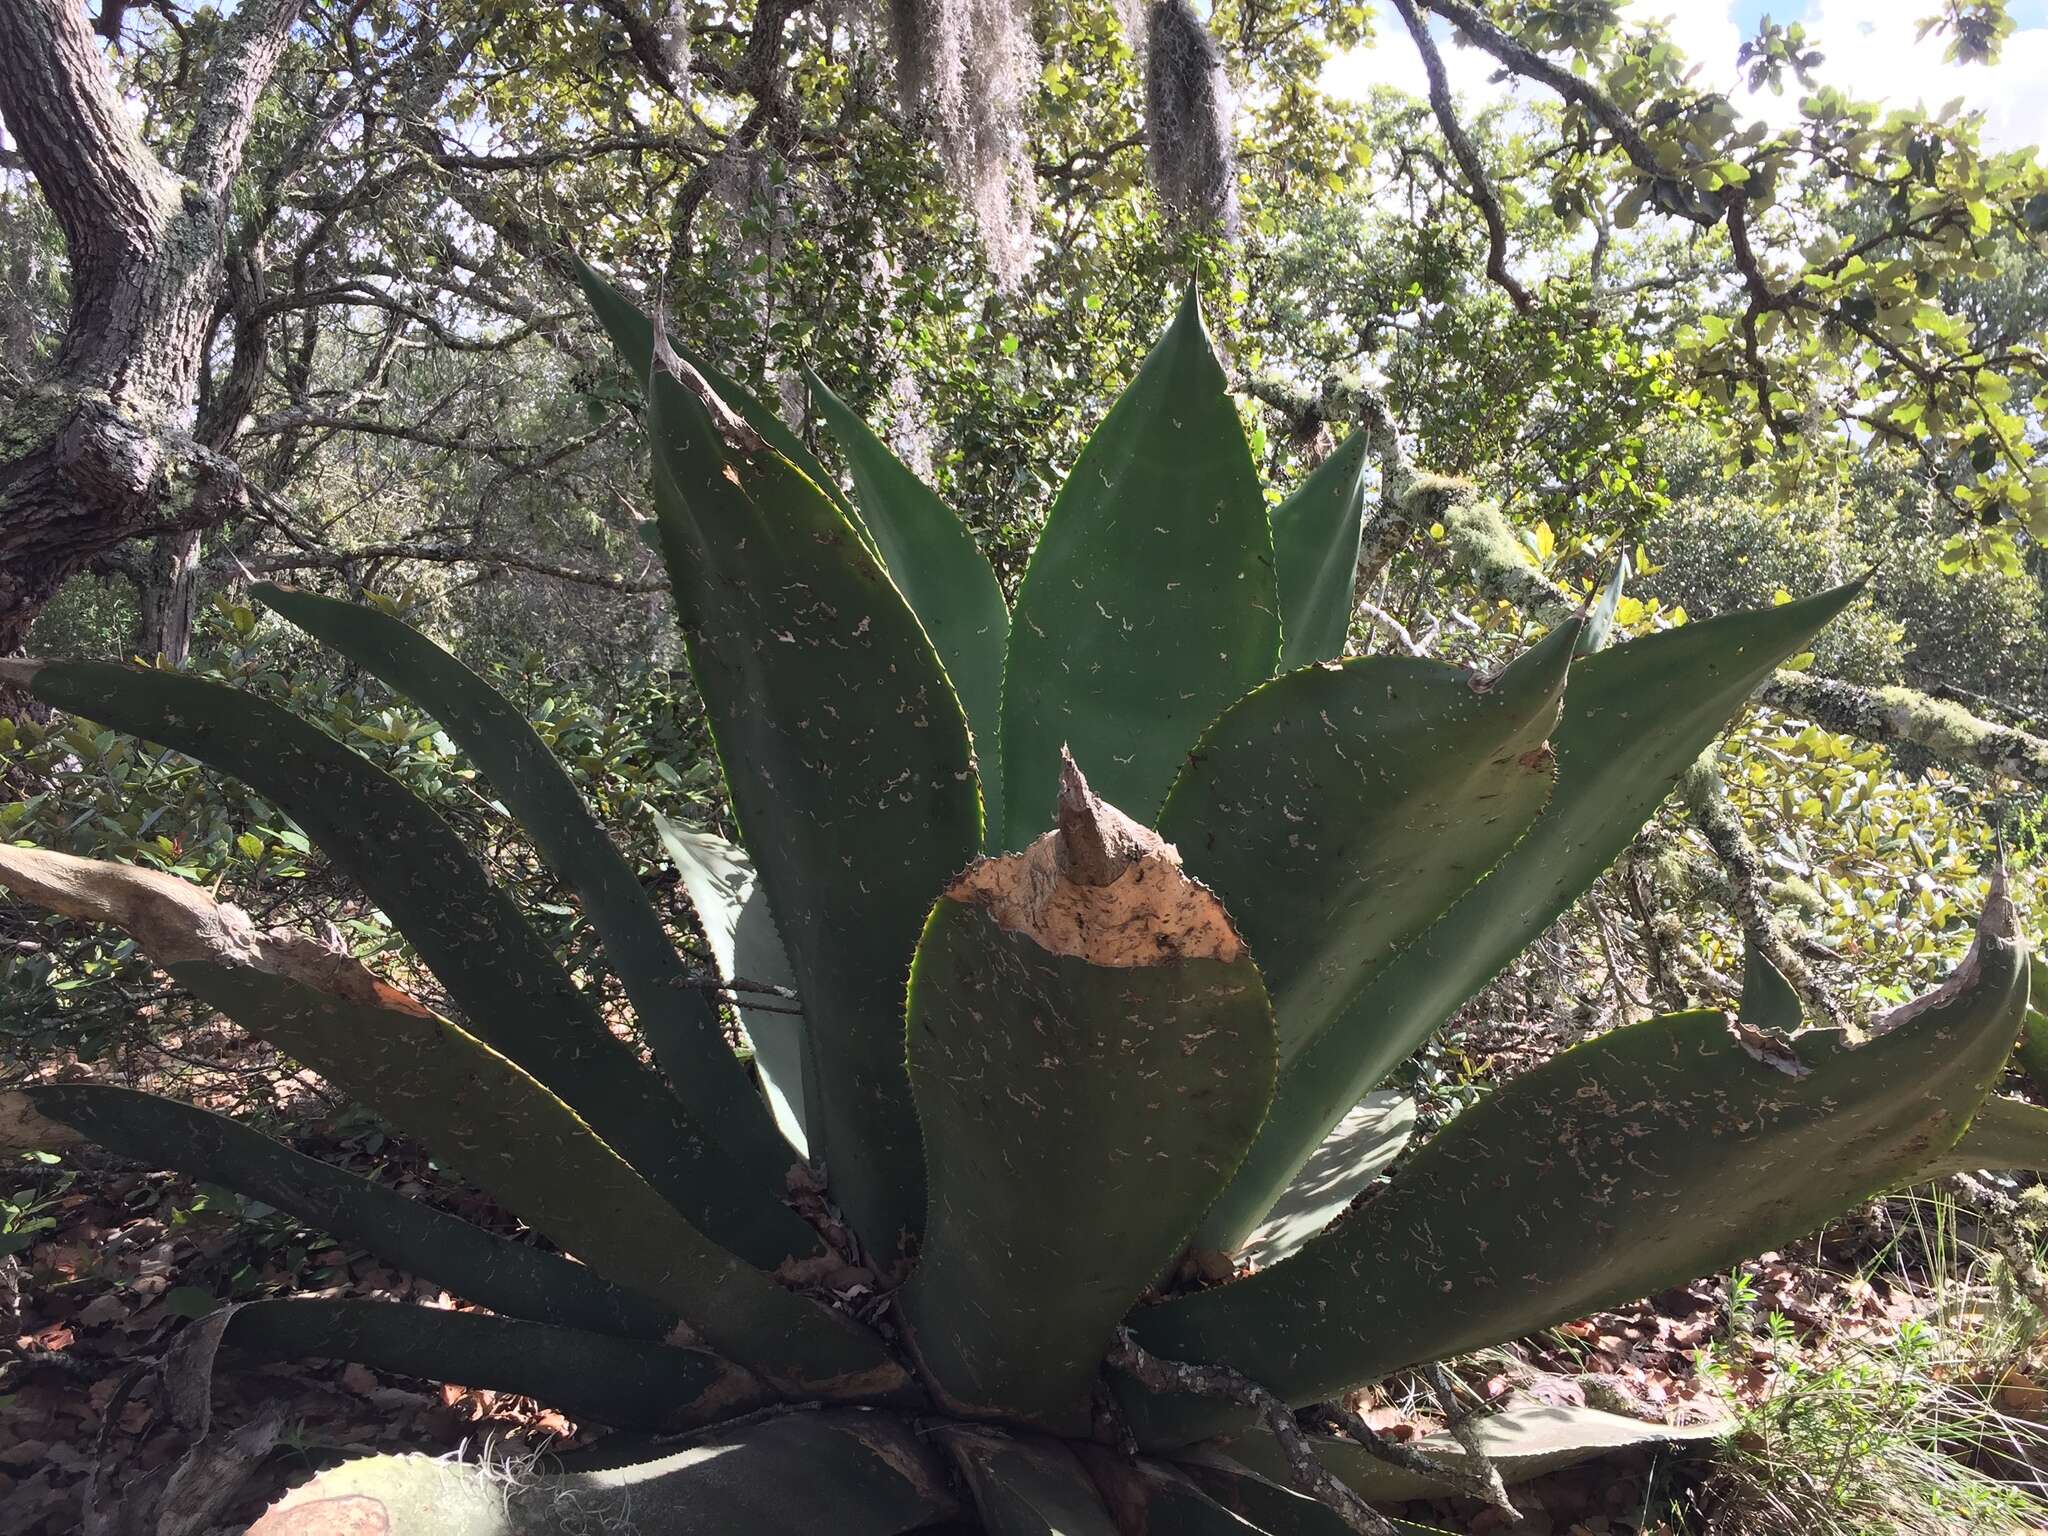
(1749, 882)
(1220, 1381)
(1478, 1481)
(1467, 155)
(1998, 1216)
(1395, 629)
(1459, 1422)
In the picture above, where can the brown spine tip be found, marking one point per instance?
(1097, 842)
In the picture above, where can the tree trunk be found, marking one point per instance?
(167, 601)
(100, 449)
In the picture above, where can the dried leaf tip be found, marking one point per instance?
(1098, 842)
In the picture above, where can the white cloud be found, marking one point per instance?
(1869, 46)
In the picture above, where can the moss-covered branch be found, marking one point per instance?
(1485, 548)
(1944, 730)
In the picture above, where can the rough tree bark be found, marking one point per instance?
(102, 446)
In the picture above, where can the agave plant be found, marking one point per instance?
(1108, 913)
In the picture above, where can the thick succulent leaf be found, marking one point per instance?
(732, 909)
(1339, 810)
(1273, 1507)
(627, 1382)
(1600, 622)
(1523, 1440)
(1026, 1487)
(1150, 602)
(477, 1110)
(1315, 556)
(1645, 1157)
(944, 576)
(514, 993)
(514, 1278)
(631, 332)
(1635, 717)
(676, 1019)
(1091, 1050)
(1768, 1001)
(1362, 1146)
(2032, 1054)
(2004, 1134)
(848, 763)
(1153, 1498)
(852, 1474)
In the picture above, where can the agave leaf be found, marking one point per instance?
(733, 911)
(1768, 1001)
(1091, 1050)
(1600, 622)
(1364, 1143)
(2003, 1134)
(631, 332)
(515, 995)
(847, 759)
(1026, 1486)
(478, 1110)
(853, 1474)
(1635, 718)
(1150, 602)
(1340, 809)
(594, 1376)
(1273, 1507)
(2032, 1055)
(1155, 1496)
(1524, 1440)
(514, 1278)
(1649, 1155)
(676, 1019)
(1315, 556)
(943, 575)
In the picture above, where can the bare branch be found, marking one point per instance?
(1220, 1381)
(1467, 155)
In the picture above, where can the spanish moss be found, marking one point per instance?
(971, 66)
(1188, 110)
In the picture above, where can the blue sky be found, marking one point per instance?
(1869, 46)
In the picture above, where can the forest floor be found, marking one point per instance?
(102, 1264)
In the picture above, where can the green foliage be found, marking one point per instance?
(1092, 1047)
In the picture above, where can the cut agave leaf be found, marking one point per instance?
(626, 1382)
(1635, 717)
(1315, 553)
(1648, 1156)
(513, 1278)
(677, 1020)
(852, 1474)
(845, 752)
(476, 1109)
(1339, 809)
(1523, 1440)
(1150, 602)
(513, 992)
(1091, 1050)
(1363, 1145)
(945, 577)
(732, 909)
(1026, 1487)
